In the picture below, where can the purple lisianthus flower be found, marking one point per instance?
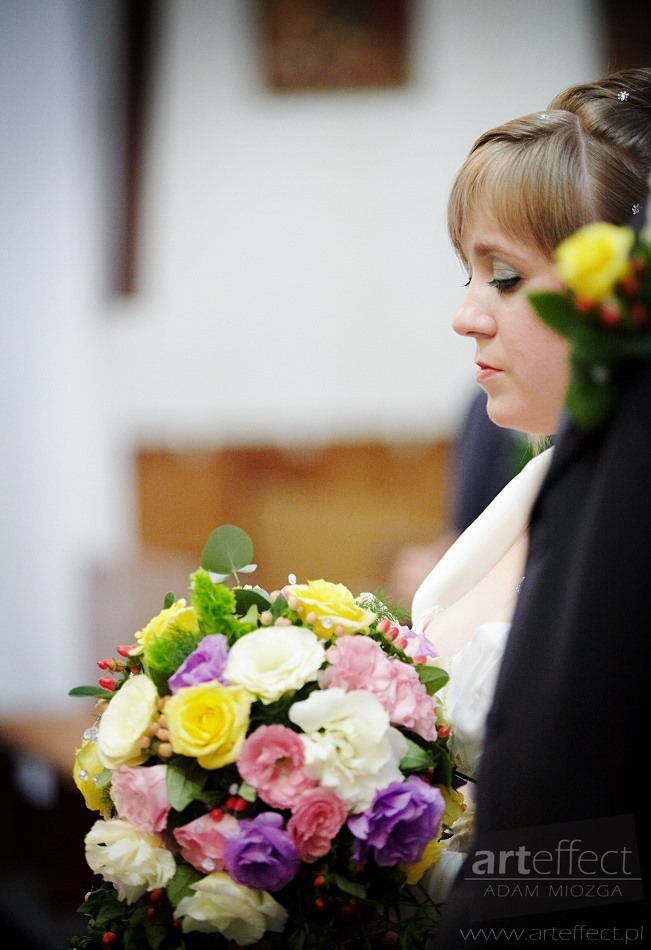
(263, 856)
(203, 665)
(402, 820)
(416, 644)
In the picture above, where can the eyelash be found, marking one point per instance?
(503, 285)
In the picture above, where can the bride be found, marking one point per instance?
(524, 187)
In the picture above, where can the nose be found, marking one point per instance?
(472, 318)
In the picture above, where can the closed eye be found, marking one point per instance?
(505, 285)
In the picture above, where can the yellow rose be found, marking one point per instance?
(327, 606)
(454, 808)
(178, 614)
(125, 722)
(87, 766)
(454, 805)
(594, 259)
(209, 722)
(429, 858)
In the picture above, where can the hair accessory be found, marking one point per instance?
(605, 313)
(636, 208)
(543, 115)
(623, 95)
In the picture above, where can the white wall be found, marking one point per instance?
(296, 271)
(54, 453)
(296, 283)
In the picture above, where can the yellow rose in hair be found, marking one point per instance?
(594, 259)
(208, 722)
(330, 609)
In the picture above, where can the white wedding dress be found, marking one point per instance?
(473, 668)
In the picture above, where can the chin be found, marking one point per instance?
(511, 417)
(500, 415)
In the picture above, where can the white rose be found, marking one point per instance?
(124, 723)
(135, 863)
(271, 661)
(239, 913)
(350, 747)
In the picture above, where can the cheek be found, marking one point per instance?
(545, 382)
(551, 363)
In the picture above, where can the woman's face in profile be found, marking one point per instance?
(522, 364)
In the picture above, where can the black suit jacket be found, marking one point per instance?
(567, 737)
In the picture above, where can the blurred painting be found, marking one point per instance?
(335, 44)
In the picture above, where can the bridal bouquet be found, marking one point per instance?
(269, 770)
(605, 313)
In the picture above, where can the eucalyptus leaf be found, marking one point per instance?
(228, 549)
(246, 596)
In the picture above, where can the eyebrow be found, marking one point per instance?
(489, 249)
(485, 250)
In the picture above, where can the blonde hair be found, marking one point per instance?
(542, 176)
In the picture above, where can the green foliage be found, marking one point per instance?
(181, 884)
(385, 608)
(212, 602)
(416, 758)
(433, 678)
(165, 652)
(247, 597)
(95, 692)
(186, 781)
(228, 550)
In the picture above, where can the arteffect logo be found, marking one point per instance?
(555, 867)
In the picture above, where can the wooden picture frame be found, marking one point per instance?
(312, 45)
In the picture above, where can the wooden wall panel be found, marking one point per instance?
(338, 511)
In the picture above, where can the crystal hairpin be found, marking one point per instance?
(623, 95)
(636, 208)
(543, 115)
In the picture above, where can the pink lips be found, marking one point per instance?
(486, 372)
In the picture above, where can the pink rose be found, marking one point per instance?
(203, 841)
(271, 760)
(360, 663)
(140, 796)
(355, 662)
(407, 701)
(316, 821)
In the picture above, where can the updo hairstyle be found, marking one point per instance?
(540, 177)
